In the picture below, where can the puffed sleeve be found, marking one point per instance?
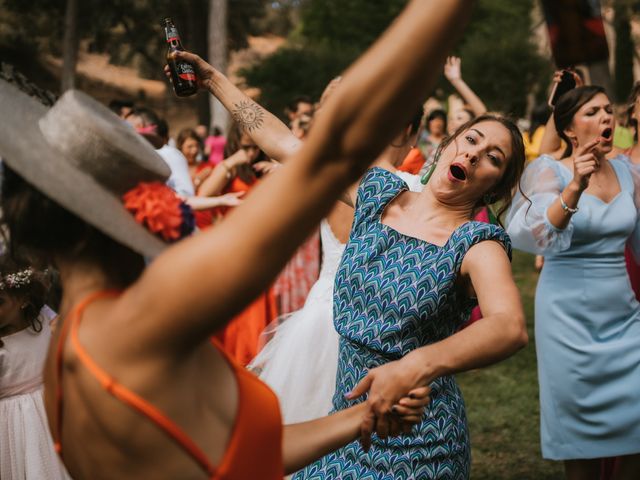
(634, 239)
(527, 222)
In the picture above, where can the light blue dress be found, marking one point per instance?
(587, 320)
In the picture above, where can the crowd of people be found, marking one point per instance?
(171, 309)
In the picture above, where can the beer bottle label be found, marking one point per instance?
(172, 34)
(186, 71)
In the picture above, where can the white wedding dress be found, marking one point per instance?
(300, 360)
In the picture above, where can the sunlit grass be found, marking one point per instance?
(502, 405)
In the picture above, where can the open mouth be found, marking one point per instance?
(606, 133)
(458, 172)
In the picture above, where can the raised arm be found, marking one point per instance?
(222, 174)
(272, 136)
(205, 280)
(453, 72)
(551, 144)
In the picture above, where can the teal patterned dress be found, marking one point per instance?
(393, 294)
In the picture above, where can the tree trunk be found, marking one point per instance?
(197, 42)
(218, 56)
(623, 71)
(70, 46)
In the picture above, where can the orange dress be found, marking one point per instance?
(413, 162)
(241, 337)
(257, 432)
(204, 218)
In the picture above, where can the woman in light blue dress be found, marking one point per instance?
(580, 212)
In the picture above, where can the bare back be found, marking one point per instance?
(104, 438)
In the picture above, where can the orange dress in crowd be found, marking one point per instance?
(257, 430)
(413, 162)
(240, 338)
(204, 218)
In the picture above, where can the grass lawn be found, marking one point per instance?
(502, 405)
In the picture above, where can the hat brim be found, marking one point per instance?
(24, 149)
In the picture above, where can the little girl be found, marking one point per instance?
(26, 449)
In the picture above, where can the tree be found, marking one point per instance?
(500, 59)
(218, 54)
(70, 45)
(623, 70)
(129, 32)
(331, 35)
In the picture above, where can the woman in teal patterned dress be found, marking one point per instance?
(412, 270)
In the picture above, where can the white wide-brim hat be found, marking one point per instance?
(82, 156)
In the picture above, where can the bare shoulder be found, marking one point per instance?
(488, 255)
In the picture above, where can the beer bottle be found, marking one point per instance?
(183, 75)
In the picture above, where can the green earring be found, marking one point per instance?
(488, 199)
(425, 178)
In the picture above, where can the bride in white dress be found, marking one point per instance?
(300, 361)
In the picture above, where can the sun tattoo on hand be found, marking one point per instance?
(249, 115)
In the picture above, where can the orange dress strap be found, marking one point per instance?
(107, 382)
(258, 429)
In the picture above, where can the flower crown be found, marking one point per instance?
(157, 207)
(16, 279)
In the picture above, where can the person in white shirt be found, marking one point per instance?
(154, 129)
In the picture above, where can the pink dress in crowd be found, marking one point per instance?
(296, 279)
(216, 145)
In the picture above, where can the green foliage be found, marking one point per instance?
(294, 71)
(350, 24)
(502, 404)
(331, 35)
(129, 31)
(500, 60)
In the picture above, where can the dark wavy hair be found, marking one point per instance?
(503, 192)
(37, 226)
(234, 137)
(566, 108)
(32, 295)
(437, 113)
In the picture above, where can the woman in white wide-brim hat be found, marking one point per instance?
(133, 388)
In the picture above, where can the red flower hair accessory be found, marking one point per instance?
(160, 210)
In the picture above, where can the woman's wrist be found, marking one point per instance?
(574, 187)
(353, 417)
(228, 167)
(421, 363)
(213, 83)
